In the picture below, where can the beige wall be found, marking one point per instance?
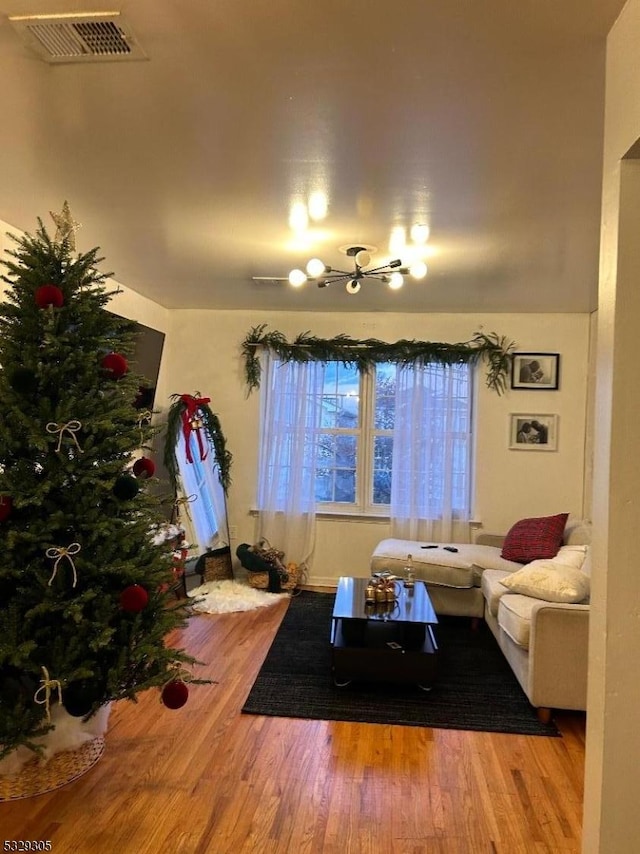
(203, 354)
(6, 243)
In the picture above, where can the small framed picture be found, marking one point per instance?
(537, 371)
(533, 432)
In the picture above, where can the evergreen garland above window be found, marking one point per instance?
(494, 350)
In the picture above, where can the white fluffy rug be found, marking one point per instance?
(222, 597)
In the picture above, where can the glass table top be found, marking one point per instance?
(412, 605)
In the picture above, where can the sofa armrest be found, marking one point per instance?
(558, 655)
(496, 540)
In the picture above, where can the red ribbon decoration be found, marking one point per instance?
(188, 414)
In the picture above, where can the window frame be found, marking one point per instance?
(366, 434)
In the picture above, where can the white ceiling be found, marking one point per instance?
(482, 118)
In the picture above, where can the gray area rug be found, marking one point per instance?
(475, 688)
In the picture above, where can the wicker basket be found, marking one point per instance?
(260, 580)
(38, 777)
(216, 565)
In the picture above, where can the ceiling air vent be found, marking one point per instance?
(90, 37)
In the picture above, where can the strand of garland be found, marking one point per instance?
(213, 430)
(494, 350)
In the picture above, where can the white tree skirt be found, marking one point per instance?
(222, 597)
(69, 733)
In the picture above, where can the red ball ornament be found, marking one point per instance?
(134, 599)
(49, 295)
(144, 467)
(175, 694)
(115, 365)
(6, 506)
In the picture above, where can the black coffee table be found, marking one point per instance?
(391, 642)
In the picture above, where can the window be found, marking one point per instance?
(354, 459)
(339, 442)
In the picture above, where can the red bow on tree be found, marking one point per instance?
(191, 422)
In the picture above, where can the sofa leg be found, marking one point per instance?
(544, 714)
(475, 623)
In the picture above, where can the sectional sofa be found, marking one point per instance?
(537, 609)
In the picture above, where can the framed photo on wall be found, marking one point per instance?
(533, 432)
(537, 371)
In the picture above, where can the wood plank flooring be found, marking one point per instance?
(207, 779)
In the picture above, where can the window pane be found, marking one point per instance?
(382, 465)
(326, 451)
(324, 485)
(385, 391)
(336, 470)
(337, 449)
(345, 486)
(345, 451)
(341, 397)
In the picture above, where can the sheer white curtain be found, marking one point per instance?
(431, 453)
(291, 409)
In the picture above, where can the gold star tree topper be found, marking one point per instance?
(66, 227)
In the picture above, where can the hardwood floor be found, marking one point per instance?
(207, 779)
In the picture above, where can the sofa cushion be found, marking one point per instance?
(577, 532)
(489, 557)
(560, 583)
(514, 617)
(435, 566)
(534, 538)
(493, 589)
(462, 568)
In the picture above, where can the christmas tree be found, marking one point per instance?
(85, 599)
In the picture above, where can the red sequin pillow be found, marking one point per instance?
(534, 539)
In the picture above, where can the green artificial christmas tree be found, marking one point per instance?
(85, 601)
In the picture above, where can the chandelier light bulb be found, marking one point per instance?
(353, 286)
(418, 269)
(363, 258)
(297, 278)
(396, 281)
(315, 268)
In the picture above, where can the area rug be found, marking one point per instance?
(475, 688)
(223, 597)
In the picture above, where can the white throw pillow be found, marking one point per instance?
(559, 583)
(567, 556)
(573, 556)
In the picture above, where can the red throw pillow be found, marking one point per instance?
(535, 539)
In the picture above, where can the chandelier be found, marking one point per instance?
(392, 273)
